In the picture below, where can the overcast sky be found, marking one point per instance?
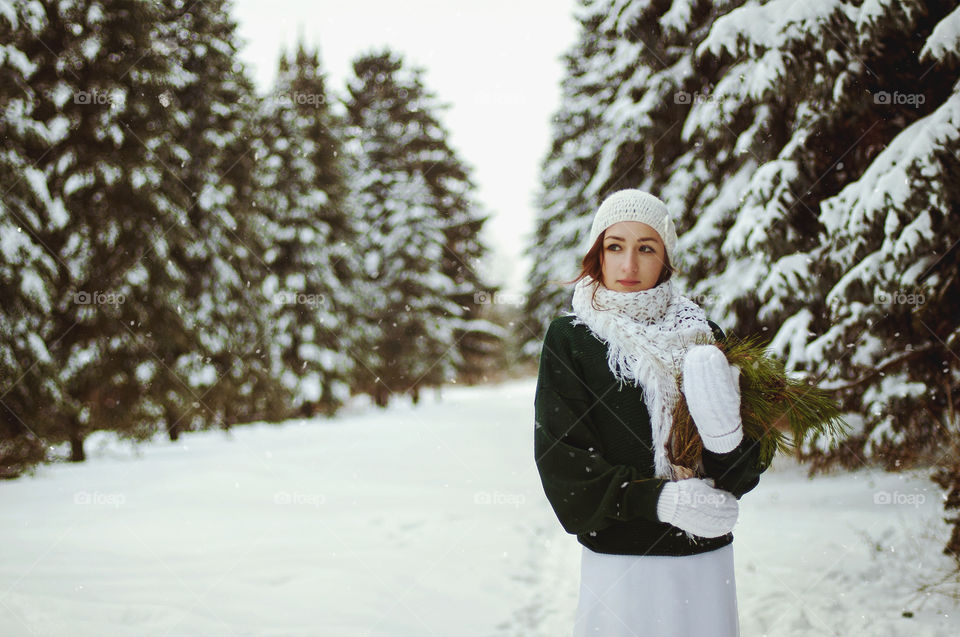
(496, 62)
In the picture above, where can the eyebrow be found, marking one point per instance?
(640, 239)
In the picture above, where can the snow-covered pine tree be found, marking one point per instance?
(814, 183)
(222, 374)
(476, 333)
(302, 193)
(852, 218)
(28, 270)
(411, 318)
(96, 143)
(477, 338)
(577, 141)
(452, 199)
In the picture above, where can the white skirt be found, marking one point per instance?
(657, 595)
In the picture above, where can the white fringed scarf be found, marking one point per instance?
(647, 334)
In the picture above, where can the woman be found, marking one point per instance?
(657, 555)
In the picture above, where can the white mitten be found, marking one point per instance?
(695, 506)
(712, 389)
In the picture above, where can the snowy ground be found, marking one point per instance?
(417, 521)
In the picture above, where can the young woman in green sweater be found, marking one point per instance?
(657, 556)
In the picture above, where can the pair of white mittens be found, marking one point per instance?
(712, 389)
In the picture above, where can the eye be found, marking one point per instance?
(612, 246)
(646, 248)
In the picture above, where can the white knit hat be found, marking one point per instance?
(635, 205)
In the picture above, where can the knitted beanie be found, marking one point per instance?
(635, 205)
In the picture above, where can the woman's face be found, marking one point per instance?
(632, 257)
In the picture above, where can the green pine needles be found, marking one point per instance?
(776, 410)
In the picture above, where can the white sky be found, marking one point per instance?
(495, 62)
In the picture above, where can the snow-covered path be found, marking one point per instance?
(416, 521)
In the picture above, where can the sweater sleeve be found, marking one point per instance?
(737, 471)
(587, 493)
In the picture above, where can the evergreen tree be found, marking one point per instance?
(848, 227)
(393, 136)
(563, 204)
(220, 374)
(133, 132)
(451, 198)
(476, 336)
(813, 181)
(28, 270)
(98, 159)
(303, 193)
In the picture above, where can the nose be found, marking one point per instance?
(630, 261)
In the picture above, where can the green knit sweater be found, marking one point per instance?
(593, 449)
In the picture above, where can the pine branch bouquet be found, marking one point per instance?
(775, 410)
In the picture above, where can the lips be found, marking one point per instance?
(627, 282)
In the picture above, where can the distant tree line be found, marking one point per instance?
(178, 252)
